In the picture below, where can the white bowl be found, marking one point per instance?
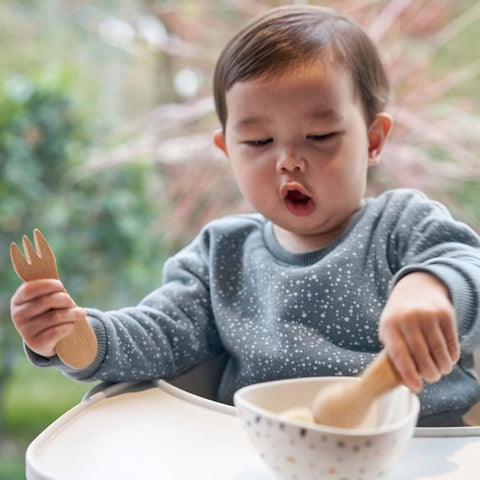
(297, 450)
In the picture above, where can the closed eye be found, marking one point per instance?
(326, 136)
(258, 143)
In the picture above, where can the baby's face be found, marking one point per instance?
(300, 147)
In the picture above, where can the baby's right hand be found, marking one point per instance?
(44, 313)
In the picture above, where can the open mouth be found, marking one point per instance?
(298, 202)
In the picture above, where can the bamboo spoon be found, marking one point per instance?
(79, 349)
(346, 406)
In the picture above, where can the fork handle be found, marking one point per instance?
(79, 349)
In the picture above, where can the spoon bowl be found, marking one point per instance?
(346, 405)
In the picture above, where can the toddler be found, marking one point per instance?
(320, 279)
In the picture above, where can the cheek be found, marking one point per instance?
(355, 159)
(244, 175)
(254, 183)
(347, 174)
(250, 170)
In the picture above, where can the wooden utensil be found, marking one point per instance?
(347, 405)
(79, 349)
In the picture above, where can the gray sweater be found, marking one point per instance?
(280, 315)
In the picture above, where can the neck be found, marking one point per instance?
(296, 243)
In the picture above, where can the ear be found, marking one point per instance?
(377, 136)
(219, 141)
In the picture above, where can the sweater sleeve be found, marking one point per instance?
(167, 333)
(426, 238)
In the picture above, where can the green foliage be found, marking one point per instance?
(467, 194)
(36, 125)
(51, 394)
(99, 224)
(98, 228)
(12, 469)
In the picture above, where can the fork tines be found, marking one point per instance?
(39, 262)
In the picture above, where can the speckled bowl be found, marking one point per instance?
(295, 450)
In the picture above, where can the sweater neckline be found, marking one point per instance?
(307, 258)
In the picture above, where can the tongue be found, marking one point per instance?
(296, 196)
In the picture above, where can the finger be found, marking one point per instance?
(45, 343)
(438, 348)
(66, 317)
(448, 326)
(399, 354)
(420, 352)
(26, 312)
(28, 291)
(51, 319)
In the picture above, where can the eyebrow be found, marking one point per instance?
(327, 114)
(250, 122)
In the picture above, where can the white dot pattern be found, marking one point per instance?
(282, 315)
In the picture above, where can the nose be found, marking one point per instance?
(290, 161)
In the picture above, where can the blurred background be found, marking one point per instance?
(105, 145)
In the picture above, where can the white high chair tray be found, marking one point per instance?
(156, 433)
(165, 432)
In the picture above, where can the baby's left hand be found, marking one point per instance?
(418, 329)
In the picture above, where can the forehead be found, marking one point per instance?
(319, 90)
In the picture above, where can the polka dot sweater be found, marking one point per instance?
(282, 315)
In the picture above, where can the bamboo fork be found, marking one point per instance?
(79, 349)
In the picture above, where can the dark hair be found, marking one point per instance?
(295, 35)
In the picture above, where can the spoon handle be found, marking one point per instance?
(380, 376)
